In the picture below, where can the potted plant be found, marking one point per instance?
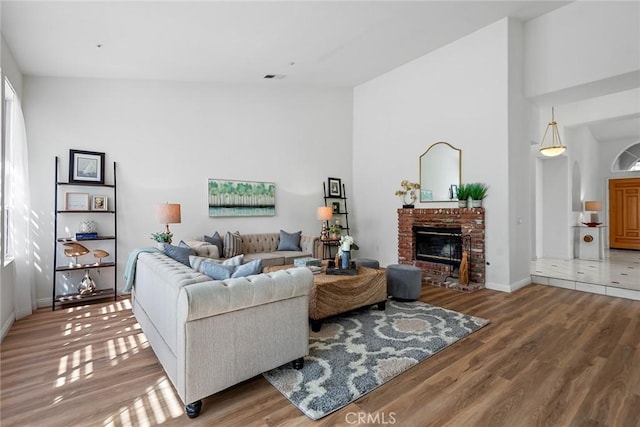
(335, 231)
(477, 191)
(408, 193)
(161, 237)
(463, 195)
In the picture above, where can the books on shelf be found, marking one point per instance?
(86, 236)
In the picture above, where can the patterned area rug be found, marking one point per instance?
(358, 352)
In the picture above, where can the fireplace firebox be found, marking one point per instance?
(439, 245)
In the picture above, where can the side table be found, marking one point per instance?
(327, 244)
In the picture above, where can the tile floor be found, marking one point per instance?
(617, 275)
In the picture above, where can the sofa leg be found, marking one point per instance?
(315, 325)
(193, 409)
(298, 363)
(382, 305)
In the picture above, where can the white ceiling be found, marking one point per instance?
(329, 43)
(324, 43)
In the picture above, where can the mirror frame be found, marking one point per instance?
(459, 170)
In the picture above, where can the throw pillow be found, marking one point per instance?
(232, 245)
(217, 271)
(248, 269)
(216, 239)
(180, 253)
(197, 261)
(203, 248)
(289, 241)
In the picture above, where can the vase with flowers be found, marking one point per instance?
(344, 251)
(407, 193)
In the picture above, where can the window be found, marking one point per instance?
(8, 172)
(628, 160)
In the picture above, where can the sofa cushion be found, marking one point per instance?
(289, 241)
(180, 253)
(216, 239)
(248, 269)
(196, 261)
(204, 249)
(232, 244)
(217, 271)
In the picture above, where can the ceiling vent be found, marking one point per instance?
(275, 76)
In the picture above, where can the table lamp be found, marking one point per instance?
(324, 214)
(593, 206)
(167, 213)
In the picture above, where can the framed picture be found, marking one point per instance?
(99, 203)
(336, 207)
(454, 192)
(86, 167)
(76, 201)
(241, 198)
(335, 187)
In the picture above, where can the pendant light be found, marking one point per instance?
(556, 148)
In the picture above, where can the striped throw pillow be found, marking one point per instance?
(232, 244)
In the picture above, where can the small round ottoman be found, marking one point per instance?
(404, 282)
(366, 262)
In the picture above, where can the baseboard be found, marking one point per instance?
(7, 325)
(509, 288)
(497, 287)
(44, 302)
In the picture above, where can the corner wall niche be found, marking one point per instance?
(467, 221)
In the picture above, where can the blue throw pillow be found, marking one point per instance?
(215, 240)
(217, 271)
(289, 241)
(248, 269)
(179, 253)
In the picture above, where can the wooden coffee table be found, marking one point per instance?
(335, 294)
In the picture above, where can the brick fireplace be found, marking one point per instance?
(470, 221)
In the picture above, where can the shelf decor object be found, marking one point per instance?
(99, 203)
(76, 201)
(86, 167)
(334, 187)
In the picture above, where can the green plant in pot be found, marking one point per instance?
(335, 231)
(162, 237)
(463, 195)
(477, 191)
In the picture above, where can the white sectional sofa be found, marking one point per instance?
(209, 335)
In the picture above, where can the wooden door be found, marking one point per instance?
(624, 213)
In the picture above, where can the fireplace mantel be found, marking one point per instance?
(470, 221)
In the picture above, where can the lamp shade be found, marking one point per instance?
(593, 206)
(325, 213)
(168, 213)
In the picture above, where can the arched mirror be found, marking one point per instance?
(440, 173)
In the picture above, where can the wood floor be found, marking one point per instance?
(551, 357)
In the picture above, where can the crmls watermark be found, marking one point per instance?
(377, 418)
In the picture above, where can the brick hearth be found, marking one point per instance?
(471, 221)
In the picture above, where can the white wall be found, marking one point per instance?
(169, 138)
(584, 59)
(520, 175)
(582, 43)
(457, 94)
